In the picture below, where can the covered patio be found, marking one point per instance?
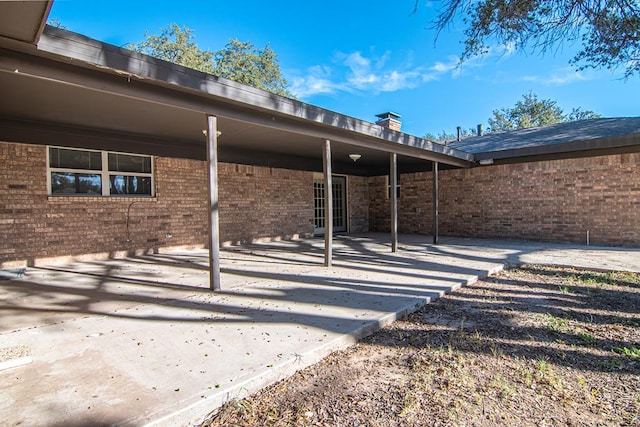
(142, 340)
(81, 93)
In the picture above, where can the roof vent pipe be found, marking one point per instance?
(480, 130)
(459, 128)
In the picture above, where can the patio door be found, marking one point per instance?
(339, 185)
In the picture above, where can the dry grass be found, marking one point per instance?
(532, 346)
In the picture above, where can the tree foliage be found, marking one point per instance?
(177, 45)
(532, 112)
(445, 136)
(238, 61)
(244, 63)
(608, 30)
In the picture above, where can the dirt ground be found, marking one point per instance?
(531, 346)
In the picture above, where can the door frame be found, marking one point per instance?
(318, 211)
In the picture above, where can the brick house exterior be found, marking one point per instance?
(117, 105)
(557, 200)
(256, 204)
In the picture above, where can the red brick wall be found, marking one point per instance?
(553, 200)
(379, 213)
(260, 203)
(414, 204)
(358, 204)
(255, 203)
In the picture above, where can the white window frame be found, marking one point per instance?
(104, 173)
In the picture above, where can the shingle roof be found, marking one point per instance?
(561, 135)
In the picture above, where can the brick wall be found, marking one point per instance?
(553, 200)
(414, 204)
(358, 204)
(379, 214)
(256, 203)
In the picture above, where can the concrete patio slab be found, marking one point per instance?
(142, 340)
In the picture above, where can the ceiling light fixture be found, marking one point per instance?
(355, 157)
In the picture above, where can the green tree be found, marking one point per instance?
(532, 112)
(244, 63)
(580, 114)
(238, 61)
(607, 30)
(177, 45)
(444, 136)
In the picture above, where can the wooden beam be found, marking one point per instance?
(328, 204)
(435, 203)
(214, 223)
(393, 183)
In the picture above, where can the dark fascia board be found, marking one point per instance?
(562, 156)
(68, 46)
(565, 150)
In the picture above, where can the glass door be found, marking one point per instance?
(339, 184)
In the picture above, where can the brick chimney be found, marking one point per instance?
(389, 120)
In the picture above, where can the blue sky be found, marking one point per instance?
(365, 58)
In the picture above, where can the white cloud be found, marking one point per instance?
(397, 81)
(560, 77)
(354, 72)
(311, 85)
(442, 67)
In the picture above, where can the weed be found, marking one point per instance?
(527, 377)
(631, 352)
(563, 289)
(591, 280)
(243, 406)
(556, 324)
(502, 386)
(582, 382)
(476, 337)
(588, 338)
(546, 374)
(543, 366)
(496, 351)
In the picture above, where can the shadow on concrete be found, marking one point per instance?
(154, 326)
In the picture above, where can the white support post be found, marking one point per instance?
(328, 204)
(393, 183)
(214, 223)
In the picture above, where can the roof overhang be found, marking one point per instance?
(587, 148)
(585, 138)
(23, 21)
(76, 91)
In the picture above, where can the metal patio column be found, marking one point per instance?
(435, 203)
(393, 189)
(214, 223)
(328, 204)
